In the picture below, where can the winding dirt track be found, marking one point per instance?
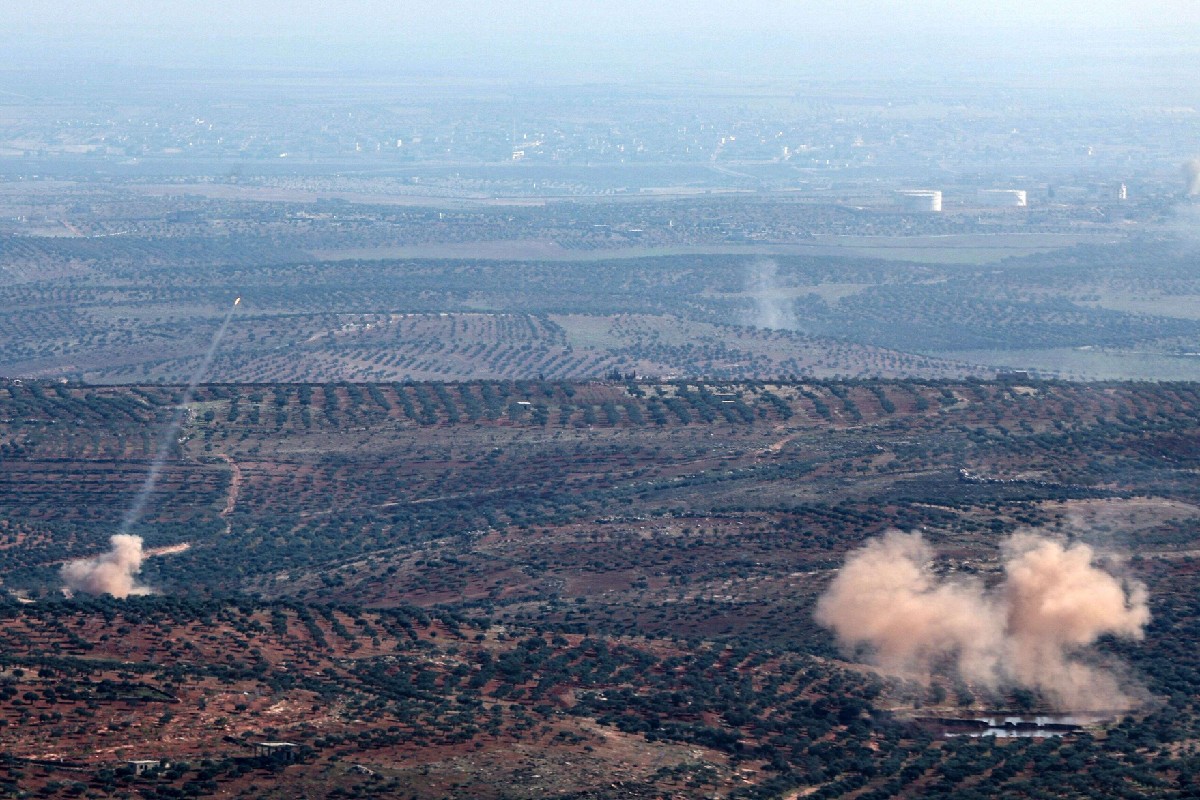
(235, 488)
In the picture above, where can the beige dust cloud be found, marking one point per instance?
(112, 573)
(1033, 630)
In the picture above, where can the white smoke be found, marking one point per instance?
(1191, 175)
(772, 307)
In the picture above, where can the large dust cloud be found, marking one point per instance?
(1032, 630)
(114, 572)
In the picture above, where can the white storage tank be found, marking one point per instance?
(919, 199)
(1005, 198)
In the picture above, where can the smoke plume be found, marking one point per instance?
(1191, 174)
(1033, 630)
(115, 572)
(112, 573)
(772, 308)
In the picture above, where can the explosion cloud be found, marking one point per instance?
(111, 573)
(1030, 631)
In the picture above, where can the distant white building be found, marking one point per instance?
(919, 199)
(1004, 198)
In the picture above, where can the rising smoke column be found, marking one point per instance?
(112, 573)
(1191, 174)
(772, 308)
(1030, 631)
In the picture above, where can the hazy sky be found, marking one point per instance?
(576, 37)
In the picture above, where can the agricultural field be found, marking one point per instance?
(569, 589)
(129, 310)
(494, 431)
(364, 279)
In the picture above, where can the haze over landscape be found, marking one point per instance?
(1100, 44)
(575, 400)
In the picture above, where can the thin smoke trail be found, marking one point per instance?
(164, 442)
